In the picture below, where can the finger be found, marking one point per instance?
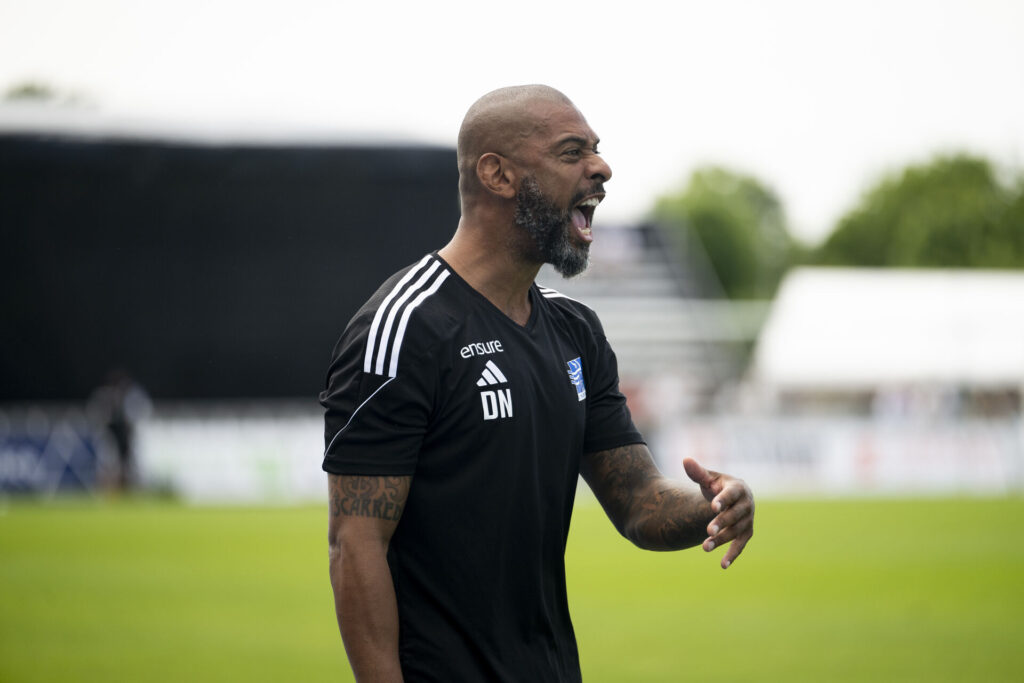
(729, 533)
(738, 543)
(733, 516)
(696, 472)
(727, 497)
(738, 522)
(734, 550)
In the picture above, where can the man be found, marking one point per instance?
(463, 403)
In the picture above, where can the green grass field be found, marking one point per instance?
(919, 590)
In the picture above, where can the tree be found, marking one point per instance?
(741, 225)
(952, 211)
(30, 91)
(39, 92)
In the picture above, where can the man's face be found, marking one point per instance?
(556, 199)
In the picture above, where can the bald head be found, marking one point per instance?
(499, 122)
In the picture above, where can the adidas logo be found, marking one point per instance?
(491, 375)
(496, 403)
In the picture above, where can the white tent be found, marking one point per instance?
(846, 329)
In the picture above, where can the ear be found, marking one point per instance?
(497, 174)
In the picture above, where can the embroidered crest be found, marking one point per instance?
(576, 377)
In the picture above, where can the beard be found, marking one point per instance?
(548, 228)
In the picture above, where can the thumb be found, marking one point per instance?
(696, 472)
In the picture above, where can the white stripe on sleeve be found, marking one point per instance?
(371, 340)
(405, 320)
(394, 313)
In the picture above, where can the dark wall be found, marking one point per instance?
(205, 272)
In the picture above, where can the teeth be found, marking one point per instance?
(593, 201)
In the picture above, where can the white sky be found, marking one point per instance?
(815, 98)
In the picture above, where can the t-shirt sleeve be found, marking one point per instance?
(374, 424)
(609, 423)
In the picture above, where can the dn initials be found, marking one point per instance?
(496, 403)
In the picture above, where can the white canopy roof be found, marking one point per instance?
(848, 329)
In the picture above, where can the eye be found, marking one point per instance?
(574, 152)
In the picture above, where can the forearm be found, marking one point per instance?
(364, 601)
(650, 510)
(667, 516)
(661, 514)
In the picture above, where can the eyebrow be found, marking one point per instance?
(578, 140)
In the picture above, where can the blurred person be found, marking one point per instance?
(117, 405)
(464, 401)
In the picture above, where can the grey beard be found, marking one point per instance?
(547, 227)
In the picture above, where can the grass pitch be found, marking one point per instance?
(917, 590)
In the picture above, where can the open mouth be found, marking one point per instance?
(583, 215)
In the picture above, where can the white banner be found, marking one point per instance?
(804, 456)
(267, 456)
(259, 456)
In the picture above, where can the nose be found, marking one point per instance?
(599, 169)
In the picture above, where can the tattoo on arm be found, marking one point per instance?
(651, 511)
(377, 497)
(671, 519)
(615, 475)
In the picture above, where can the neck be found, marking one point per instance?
(483, 260)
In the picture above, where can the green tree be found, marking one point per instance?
(39, 92)
(741, 225)
(952, 211)
(29, 91)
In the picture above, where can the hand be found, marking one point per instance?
(733, 505)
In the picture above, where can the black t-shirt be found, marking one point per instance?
(490, 419)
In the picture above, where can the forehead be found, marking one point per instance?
(557, 121)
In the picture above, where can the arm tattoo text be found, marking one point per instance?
(378, 497)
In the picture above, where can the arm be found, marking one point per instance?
(364, 513)
(657, 513)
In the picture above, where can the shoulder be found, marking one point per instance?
(574, 312)
(411, 310)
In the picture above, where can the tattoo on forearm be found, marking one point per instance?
(622, 471)
(654, 516)
(378, 497)
(672, 520)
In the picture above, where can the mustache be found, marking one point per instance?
(596, 188)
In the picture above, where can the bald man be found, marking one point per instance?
(462, 405)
